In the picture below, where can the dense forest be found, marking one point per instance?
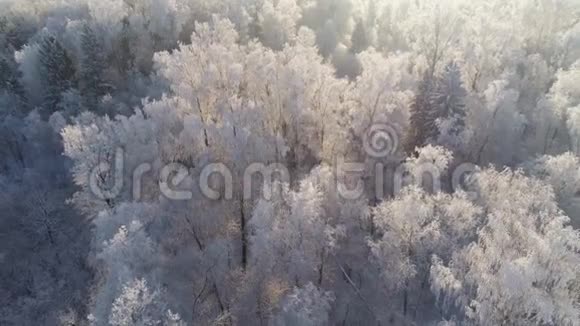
(289, 162)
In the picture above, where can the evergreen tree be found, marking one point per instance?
(9, 79)
(423, 125)
(124, 58)
(359, 38)
(448, 99)
(91, 82)
(438, 108)
(57, 71)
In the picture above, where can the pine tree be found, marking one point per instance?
(124, 58)
(91, 82)
(423, 118)
(359, 38)
(9, 79)
(448, 98)
(439, 107)
(57, 71)
(254, 27)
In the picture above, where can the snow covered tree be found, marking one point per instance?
(359, 38)
(563, 174)
(521, 269)
(307, 306)
(45, 240)
(278, 21)
(414, 227)
(438, 110)
(423, 117)
(562, 102)
(497, 126)
(448, 100)
(58, 73)
(136, 306)
(296, 219)
(9, 79)
(92, 85)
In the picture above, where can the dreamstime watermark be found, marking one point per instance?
(218, 181)
(381, 141)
